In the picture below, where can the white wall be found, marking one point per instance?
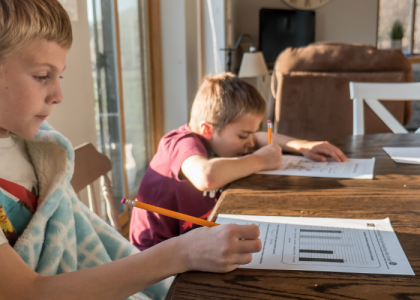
(348, 21)
(75, 116)
(180, 53)
(221, 29)
(174, 66)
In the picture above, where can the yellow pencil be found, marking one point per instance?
(168, 213)
(269, 129)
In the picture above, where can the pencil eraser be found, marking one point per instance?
(268, 121)
(123, 201)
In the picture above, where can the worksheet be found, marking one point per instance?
(301, 166)
(325, 245)
(405, 155)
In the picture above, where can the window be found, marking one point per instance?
(119, 52)
(406, 12)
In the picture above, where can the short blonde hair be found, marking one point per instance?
(222, 99)
(23, 21)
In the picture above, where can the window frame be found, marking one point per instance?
(150, 55)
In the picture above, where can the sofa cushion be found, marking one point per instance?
(335, 57)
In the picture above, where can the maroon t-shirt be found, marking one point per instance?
(165, 186)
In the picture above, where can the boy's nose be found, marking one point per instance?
(56, 95)
(250, 142)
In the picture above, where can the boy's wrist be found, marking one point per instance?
(181, 257)
(297, 145)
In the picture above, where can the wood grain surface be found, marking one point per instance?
(394, 192)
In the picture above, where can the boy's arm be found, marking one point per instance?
(209, 174)
(218, 249)
(311, 150)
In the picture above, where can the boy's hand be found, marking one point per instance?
(221, 248)
(313, 150)
(270, 156)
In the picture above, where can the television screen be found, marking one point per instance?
(281, 28)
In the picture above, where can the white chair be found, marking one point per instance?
(370, 93)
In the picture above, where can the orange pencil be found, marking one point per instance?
(168, 213)
(269, 129)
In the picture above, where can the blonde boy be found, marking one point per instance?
(64, 251)
(195, 161)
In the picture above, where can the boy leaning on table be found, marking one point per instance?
(196, 160)
(51, 245)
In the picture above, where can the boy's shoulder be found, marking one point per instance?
(180, 131)
(182, 136)
(179, 144)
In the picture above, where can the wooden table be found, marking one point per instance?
(394, 192)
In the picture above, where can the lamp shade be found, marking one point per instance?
(253, 65)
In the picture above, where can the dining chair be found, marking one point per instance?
(89, 166)
(371, 93)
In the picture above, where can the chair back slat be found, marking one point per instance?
(385, 91)
(90, 165)
(371, 93)
(386, 116)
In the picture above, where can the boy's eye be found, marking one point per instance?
(243, 137)
(41, 78)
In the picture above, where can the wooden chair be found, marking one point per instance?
(89, 166)
(370, 93)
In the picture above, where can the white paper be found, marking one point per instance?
(301, 166)
(405, 155)
(325, 245)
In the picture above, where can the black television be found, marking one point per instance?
(282, 28)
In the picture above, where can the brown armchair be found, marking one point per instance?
(310, 97)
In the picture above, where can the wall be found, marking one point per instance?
(75, 116)
(181, 67)
(174, 57)
(349, 21)
(192, 51)
(222, 30)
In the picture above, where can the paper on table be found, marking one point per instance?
(301, 166)
(325, 245)
(405, 155)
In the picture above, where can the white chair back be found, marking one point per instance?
(370, 93)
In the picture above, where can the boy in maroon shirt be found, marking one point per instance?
(195, 161)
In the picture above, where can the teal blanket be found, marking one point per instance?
(64, 235)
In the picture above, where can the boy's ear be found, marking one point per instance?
(206, 130)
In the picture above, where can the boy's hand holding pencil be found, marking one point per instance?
(269, 156)
(222, 248)
(211, 248)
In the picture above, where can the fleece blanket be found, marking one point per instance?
(64, 235)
